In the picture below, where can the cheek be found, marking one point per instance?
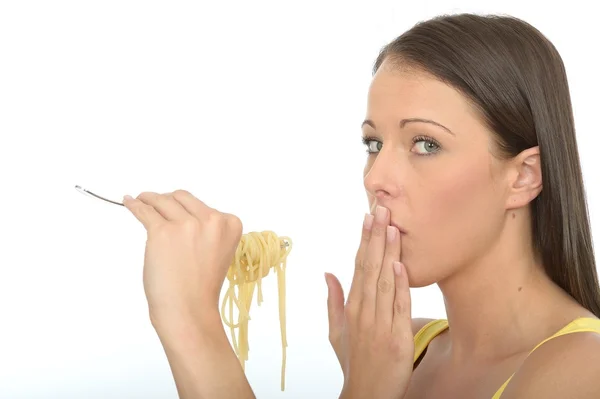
(454, 197)
(370, 197)
(448, 211)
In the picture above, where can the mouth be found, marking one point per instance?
(400, 229)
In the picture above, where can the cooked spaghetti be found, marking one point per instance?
(256, 254)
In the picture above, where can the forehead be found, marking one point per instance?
(397, 93)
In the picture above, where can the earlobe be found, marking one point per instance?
(528, 182)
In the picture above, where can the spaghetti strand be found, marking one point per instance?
(255, 256)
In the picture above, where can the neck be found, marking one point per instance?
(502, 304)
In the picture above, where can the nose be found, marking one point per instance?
(382, 179)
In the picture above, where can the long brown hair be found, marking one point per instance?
(516, 78)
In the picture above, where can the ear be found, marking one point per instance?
(526, 180)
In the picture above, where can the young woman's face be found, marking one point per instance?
(431, 165)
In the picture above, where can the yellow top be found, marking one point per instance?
(436, 327)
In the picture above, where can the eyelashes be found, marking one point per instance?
(368, 141)
(430, 147)
(426, 145)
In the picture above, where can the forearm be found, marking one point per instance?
(203, 362)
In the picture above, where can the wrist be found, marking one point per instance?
(176, 323)
(201, 358)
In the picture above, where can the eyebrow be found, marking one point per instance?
(404, 122)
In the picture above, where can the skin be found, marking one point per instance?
(463, 215)
(189, 249)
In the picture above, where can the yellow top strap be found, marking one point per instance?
(432, 329)
(426, 334)
(582, 324)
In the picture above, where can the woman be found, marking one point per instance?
(474, 181)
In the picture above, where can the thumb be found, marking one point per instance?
(335, 308)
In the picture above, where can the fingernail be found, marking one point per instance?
(368, 222)
(397, 268)
(391, 233)
(380, 214)
(127, 198)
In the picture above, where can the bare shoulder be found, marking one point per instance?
(417, 324)
(564, 367)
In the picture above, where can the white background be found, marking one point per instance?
(253, 106)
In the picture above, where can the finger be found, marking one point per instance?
(355, 293)
(145, 213)
(335, 310)
(235, 225)
(192, 204)
(166, 205)
(386, 286)
(401, 324)
(372, 264)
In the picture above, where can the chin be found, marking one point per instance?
(419, 276)
(421, 283)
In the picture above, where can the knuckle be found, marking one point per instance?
(234, 228)
(213, 216)
(366, 235)
(351, 309)
(384, 285)
(399, 307)
(181, 192)
(358, 264)
(143, 195)
(369, 265)
(378, 230)
(190, 225)
(145, 209)
(235, 223)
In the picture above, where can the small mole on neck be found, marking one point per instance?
(520, 288)
(514, 216)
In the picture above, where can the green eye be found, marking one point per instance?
(425, 145)
(373, 145)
